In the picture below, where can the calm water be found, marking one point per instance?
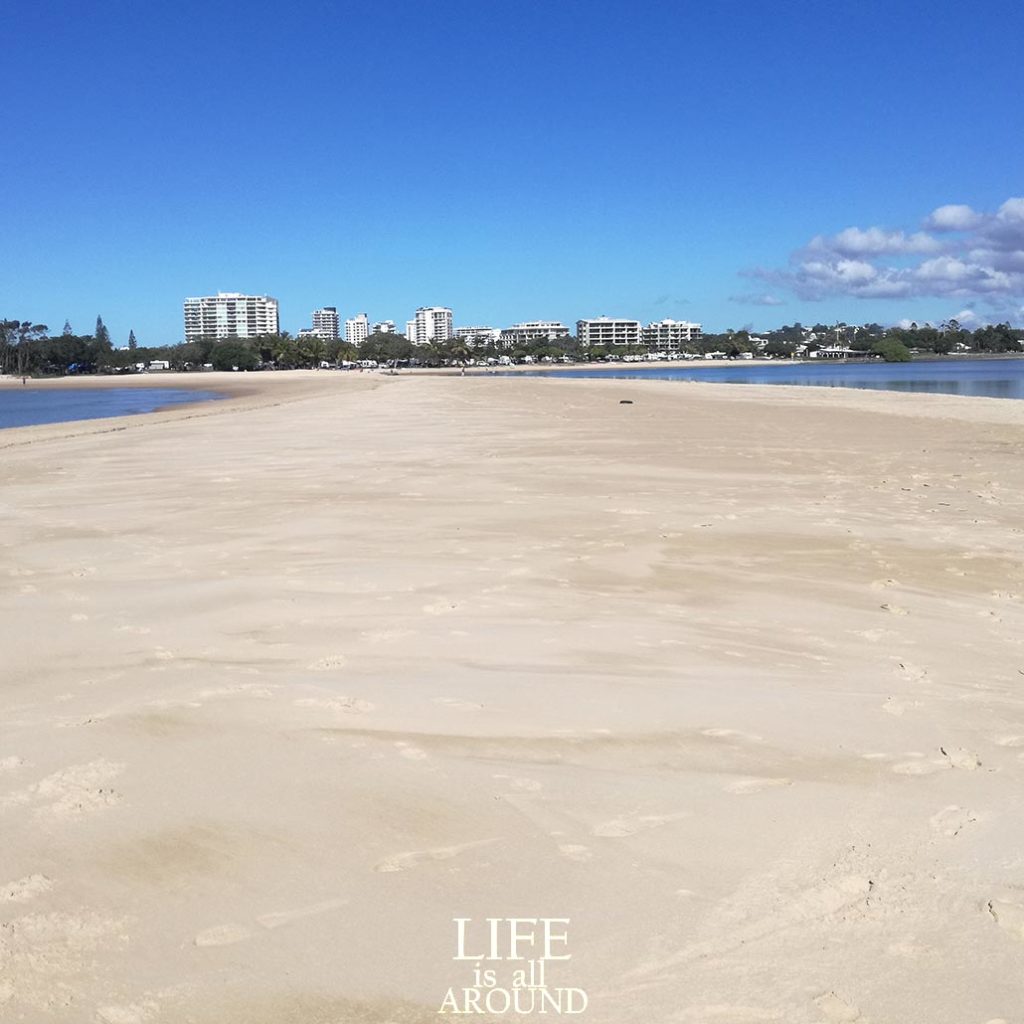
(23, 407)
(990, 378)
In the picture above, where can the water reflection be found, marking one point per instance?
(987, 378)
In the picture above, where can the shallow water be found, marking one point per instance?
(989, 378)
(24, 407)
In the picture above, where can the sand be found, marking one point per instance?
(730, 677)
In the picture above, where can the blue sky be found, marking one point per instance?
(732, 163)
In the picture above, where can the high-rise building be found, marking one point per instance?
(670, 335)
(431, 323)
(383, 327)
(606, 330)
(357, 328)
(325, 323)
(230, 315)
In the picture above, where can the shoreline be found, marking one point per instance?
(258, 390)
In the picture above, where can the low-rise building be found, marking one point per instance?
(533, 331)
(478, 335)
(670, 335)
(607, 331)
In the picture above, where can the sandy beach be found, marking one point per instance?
(731, 678)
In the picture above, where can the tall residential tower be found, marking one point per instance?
(325, 323)
(431, 323)
(230, 315)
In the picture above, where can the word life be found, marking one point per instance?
(527, 945)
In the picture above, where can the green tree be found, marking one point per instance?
(67, 329)
(102, 345)
(233, 355)
(22, 350)
(892, 350)
(132, 343)
(779, 348)
(386, 347)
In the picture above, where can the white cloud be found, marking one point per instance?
(854, 242)
(954, 217)
(984, 259)
(755, 299)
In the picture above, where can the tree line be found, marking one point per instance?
(28, 349)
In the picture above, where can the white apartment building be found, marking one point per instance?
(670, 335)
(357, 329)
(478, 335)
(431, 323)
(325, 323)
(606, 330)
(533, 330)
(383, 327)
(230, 315)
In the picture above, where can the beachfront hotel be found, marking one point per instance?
(357, 329)
(230, 315)
(532, 331)
(670, 335)
(605, 330)
(325, 323)
(478, 335)
(430, 323)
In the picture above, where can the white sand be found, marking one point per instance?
(731, 677)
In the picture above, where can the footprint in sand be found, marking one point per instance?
(1000, 741)
(331, 663)
(837, 1009)
(873, 635)
(1008, 914)
(960, 758)
(892, 706)
(732, 734)
(458, 704)
(520, 784)
(441, 607)
(283, 917)
(411, 753)
(345, 705)
(25, 889)
(921, 767)
(135, 1013)
(72, 791)
(223, 935)
(10, 763)
(893, 609)
(741, 787)
(884, 584)
(413, 858)
(952, 820)
(238, 690)
(576, 852)
(618, 828)
(912, 673)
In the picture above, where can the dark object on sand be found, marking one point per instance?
(625, 401)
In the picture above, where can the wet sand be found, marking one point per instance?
(731, 678)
